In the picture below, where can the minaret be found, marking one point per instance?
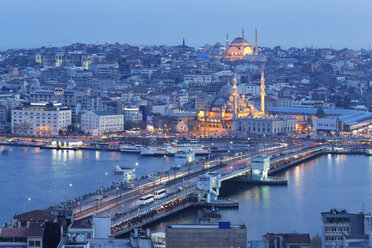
(235, 98)
(227, 39)
(183, 43)
(242, 34)
(262, 90)
(255, 44)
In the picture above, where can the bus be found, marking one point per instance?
(161, 193)
(146, 199)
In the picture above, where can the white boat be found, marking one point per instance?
(158, 240)
(153, 151)
(200, 150)
(131, 148)
(184, 157)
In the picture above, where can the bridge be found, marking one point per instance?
(199, 184)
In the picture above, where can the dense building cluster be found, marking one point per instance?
(182, 90)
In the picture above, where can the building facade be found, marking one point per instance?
(339, 224)
(231, 114)
(42, 119)
(98, 122)
(239, 48)
(211, 235)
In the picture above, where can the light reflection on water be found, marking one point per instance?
(45, 175)
(314, 186)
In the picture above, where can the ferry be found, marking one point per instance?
(158, 240)
(131, 148)
(153, 151)
(184, 157)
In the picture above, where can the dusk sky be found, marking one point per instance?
(321, 23)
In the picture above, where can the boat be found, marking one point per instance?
(184, 157)
(153, 151)
(158, 240)
(131, 148)
(5, 151)
(209, 216)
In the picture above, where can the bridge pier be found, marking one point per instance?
(209, 185)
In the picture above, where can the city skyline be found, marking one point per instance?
(291, 23)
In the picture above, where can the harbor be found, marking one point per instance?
(237, 166)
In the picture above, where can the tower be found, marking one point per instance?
(262, 90)
(242, 34)
(227, 40)
(235, 98)
(183, 43)
(255, 44)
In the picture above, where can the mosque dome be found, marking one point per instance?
(239, 40)
(71, 84)
(35, 82)
(226, 90)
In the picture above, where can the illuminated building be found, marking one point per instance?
(40, 119)
(239, 48)
(98, 122)
(231, 114)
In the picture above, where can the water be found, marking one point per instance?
(34, 178)
(327, 182)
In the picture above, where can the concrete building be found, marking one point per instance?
(94, 233)
(328, 124)
(132, 113)
(210, 235)
(105, 69)
(338, 224)
(265, 126)
(3, 114)
(198, 80)
(40, 119)
(288, 240)
(98, 122)
(27, 230)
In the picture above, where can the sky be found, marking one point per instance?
(287, 23)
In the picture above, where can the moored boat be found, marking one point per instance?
(131, 148)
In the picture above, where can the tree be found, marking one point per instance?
(316, 242)
(320, 112)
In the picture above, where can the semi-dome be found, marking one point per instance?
(71, 84)
(239, 40)
(220, 101)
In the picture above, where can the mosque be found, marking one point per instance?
(239, 48)
(232, 115)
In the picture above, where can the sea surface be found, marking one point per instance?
(330, 181)
(34, 178)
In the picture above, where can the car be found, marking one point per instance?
(98, 198)
(179, 189)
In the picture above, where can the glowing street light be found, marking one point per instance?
(29, 198)
(136, 163)
(70, 184)
(106, 173)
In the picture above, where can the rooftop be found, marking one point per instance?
(35, 215)
(13, 232)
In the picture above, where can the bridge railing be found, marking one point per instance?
(140, 210)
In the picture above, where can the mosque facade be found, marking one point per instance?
(230, 114)
(239, 48)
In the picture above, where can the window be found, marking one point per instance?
(37, 243)
(31, 243)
